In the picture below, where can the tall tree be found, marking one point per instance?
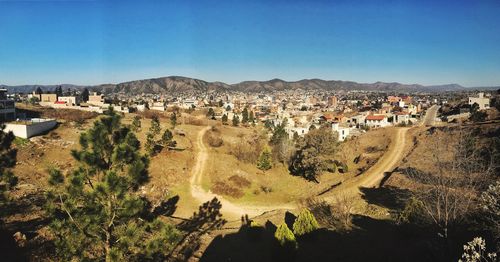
(168, 139)
(313, 154)
(97, 213)
(211, 113)
(251, 117)
(85, 95)
(224, 119)
(38, 91)
(173, 120)
(265, 160)
(153, 132)
(59, 91)
(8, 156)
(236, 120)
(136, 124)
(244, 116)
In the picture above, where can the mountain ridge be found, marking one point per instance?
(182, 85)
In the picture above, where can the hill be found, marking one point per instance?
(175, 85)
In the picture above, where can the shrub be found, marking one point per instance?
(285, 236)
(305, 223)
(222, 188)
(214, 139)
(240, 181)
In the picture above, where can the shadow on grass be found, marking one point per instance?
(369, 240)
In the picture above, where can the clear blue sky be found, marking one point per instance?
(93, 42)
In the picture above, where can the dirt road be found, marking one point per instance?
(430, 115)
(370, 178)
(229, 209)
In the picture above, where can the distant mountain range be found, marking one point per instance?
(182, 85)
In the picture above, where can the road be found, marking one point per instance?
(228, 208)
(430, 115)
(370, 178)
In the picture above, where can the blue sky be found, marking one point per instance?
(94, 42)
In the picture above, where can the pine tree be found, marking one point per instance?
(236, 120)
(96, 211)
(136, 124)
(244, 116)
(173, 120)
(85, 95)
(285, 236)
(228, 108)
(167, 139)
(154, 130)
(224, 119)
(211, 113)
(305, 223)
(265, 161)
(251, 117)
(8, 157)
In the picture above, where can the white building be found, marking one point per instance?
(376, 121)
(69, 100)
(401, 118)
(30, 127)
(483, 102)
(343, 132)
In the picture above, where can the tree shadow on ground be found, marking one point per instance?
(369, 240)
(390, 197)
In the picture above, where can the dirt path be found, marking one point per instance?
(370, 178)
(373, 176)
(229, 209)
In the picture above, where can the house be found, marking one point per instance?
(401, 118)
(95, 99)
(342, 131)
(48, 98)
(7, 107)
(69, 100)
(376, 121)
(483, 102)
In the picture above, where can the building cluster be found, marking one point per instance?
(347, 113)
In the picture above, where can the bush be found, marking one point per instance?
(214, 139)
(305, 223)
(222, 188)
(285, 236)
(240, 181)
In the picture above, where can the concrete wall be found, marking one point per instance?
(31, 128)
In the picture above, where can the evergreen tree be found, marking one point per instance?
(136, 124)
(285, 236)
(228, 108)
(173, 120)
(38, 91)
(313, 153)
(236, 120)
(85, 95)
(59, 91)
(154, 130)
(251, 117)
(221, 104)
(305, 223)
(244, 116)
(211, 113)
(97, 213)
(224, 119)
(296, 136)
(8, 158)
(265, 161)
(167, 139)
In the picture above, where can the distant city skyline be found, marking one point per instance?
(96, 42)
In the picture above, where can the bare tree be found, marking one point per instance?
(449, 192)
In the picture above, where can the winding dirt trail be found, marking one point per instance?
(370, 178)
(228, 208)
